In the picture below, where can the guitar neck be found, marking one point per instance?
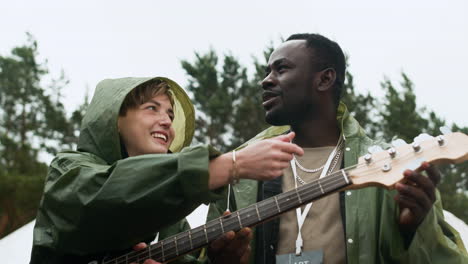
(382, 169)
(188, 241)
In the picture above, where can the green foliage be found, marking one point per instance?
(453, 189)
(75, 121)
(400, 117)
(33, 120)
(19, 198)
(362, 107)
(229, 102)
(454, 185)
(31, 117)
(249, 116)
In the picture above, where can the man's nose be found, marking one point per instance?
(268, 81)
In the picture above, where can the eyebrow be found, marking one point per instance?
(277, 62)
(170, 110)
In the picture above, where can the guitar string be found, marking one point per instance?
(370, 171)
(171, 246)
(366, 173)
(311, 189)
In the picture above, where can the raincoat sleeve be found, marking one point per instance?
(95, 207)
(435, 241)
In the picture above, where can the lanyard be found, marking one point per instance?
(302, 216)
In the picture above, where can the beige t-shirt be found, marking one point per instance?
(323, 227)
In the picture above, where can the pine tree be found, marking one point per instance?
(32, 116)
(33, 120)
(228, 102)
(402, 118)
(362, 107)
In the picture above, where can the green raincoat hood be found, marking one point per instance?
(99, 133)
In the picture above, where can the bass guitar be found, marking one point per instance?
(383, 169)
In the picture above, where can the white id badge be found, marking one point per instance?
(309, 257)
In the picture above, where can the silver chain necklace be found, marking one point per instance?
(305, 169)
(332, 167)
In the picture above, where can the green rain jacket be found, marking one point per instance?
(96, 200)
(371, 228)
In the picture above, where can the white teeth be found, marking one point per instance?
(158, 135)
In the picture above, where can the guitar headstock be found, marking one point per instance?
(385, 168)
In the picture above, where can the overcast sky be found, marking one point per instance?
(93, 40)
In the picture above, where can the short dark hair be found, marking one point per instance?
(326, 54)
(143, 93)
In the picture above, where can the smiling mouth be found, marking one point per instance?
(160, 136)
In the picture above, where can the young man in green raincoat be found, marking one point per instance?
(134, 176)
(302, 89)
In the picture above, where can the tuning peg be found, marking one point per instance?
(445, 130)
(398, 142)
(392, 152)
(416, 147)
(368, 158)
(440, 140)
(374, 149)
(421, 137)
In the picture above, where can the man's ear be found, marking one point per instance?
(327, 79)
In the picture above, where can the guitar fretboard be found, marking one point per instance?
(185, 242)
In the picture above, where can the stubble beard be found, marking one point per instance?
(279, 117)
